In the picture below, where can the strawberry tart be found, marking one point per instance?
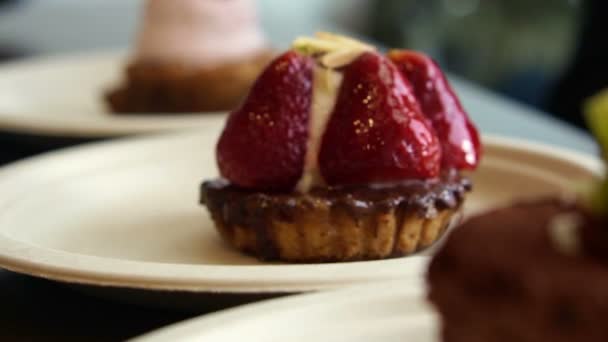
(192, 56)
(342, 153)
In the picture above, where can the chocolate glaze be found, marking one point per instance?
(424, 196)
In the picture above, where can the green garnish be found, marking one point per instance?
(599, 199)
(596, 113)
(324, 42)
(310, 46)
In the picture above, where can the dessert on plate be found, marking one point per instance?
(192, 56)
(534, 271)
(342, 153)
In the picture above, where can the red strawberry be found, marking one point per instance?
(264, 142)
(377, 132)
(461, 147)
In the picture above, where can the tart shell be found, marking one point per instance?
(331, 224)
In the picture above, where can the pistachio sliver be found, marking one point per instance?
(309, 46)
(344, 41)
(331, 50)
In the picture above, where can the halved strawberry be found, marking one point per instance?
(461, 146)
(377, 132)
(264, 142)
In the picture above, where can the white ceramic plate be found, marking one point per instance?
(393, 311)
(62, 96)
(125, 214)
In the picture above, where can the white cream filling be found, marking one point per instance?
(331, 51)
(563, 232)
(326, 83)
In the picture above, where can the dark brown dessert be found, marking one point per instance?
(530, 272)
(174, 88)
(535, 271)
(382, 221)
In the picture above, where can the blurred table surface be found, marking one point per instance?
(36, 309)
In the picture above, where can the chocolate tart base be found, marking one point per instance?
(336, 224)
(176, 88)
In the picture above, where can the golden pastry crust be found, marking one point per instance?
(329, 225)
(176, 88)
(330, 236)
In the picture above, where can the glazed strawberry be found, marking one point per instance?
(461, 148)
(377, 132)
(264, 142)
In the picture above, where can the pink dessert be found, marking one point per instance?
(190, 56)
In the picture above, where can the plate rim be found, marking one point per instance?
(413, 290)
(57, 265)
(83, 127)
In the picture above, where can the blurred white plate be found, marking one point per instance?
(62, 96)
(393, 311)
(125, 213)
